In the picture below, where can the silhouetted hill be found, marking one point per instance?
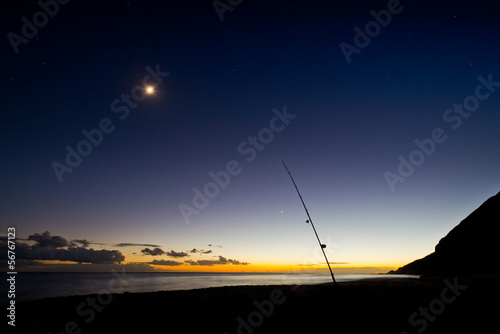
(471, 247)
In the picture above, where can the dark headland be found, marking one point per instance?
(471, 247)
(459, 292)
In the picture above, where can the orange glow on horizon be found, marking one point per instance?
(277, 269)
(228, 268)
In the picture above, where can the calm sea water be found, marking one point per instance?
(30, 286)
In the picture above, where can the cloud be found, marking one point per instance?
(218, 246)
(177, 254)
(83, 242)
(222, 260)
(165, 263)
(76, 254)
(45, 240)
(236, 262)
(128, 244)
(201, 251)
(153, 252)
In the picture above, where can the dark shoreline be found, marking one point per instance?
(374, 305)
(39, 285)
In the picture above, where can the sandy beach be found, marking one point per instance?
(430, 305)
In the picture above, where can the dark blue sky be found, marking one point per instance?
(352, 122)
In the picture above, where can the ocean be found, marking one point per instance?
(31, 286)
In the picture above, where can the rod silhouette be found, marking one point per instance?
(322, 246)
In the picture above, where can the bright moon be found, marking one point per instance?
(150, 90)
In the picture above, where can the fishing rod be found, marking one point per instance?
(323, 246)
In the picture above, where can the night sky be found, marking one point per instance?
(389, 128)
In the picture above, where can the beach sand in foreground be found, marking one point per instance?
(433, 305)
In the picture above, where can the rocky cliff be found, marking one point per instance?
(471, 247)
